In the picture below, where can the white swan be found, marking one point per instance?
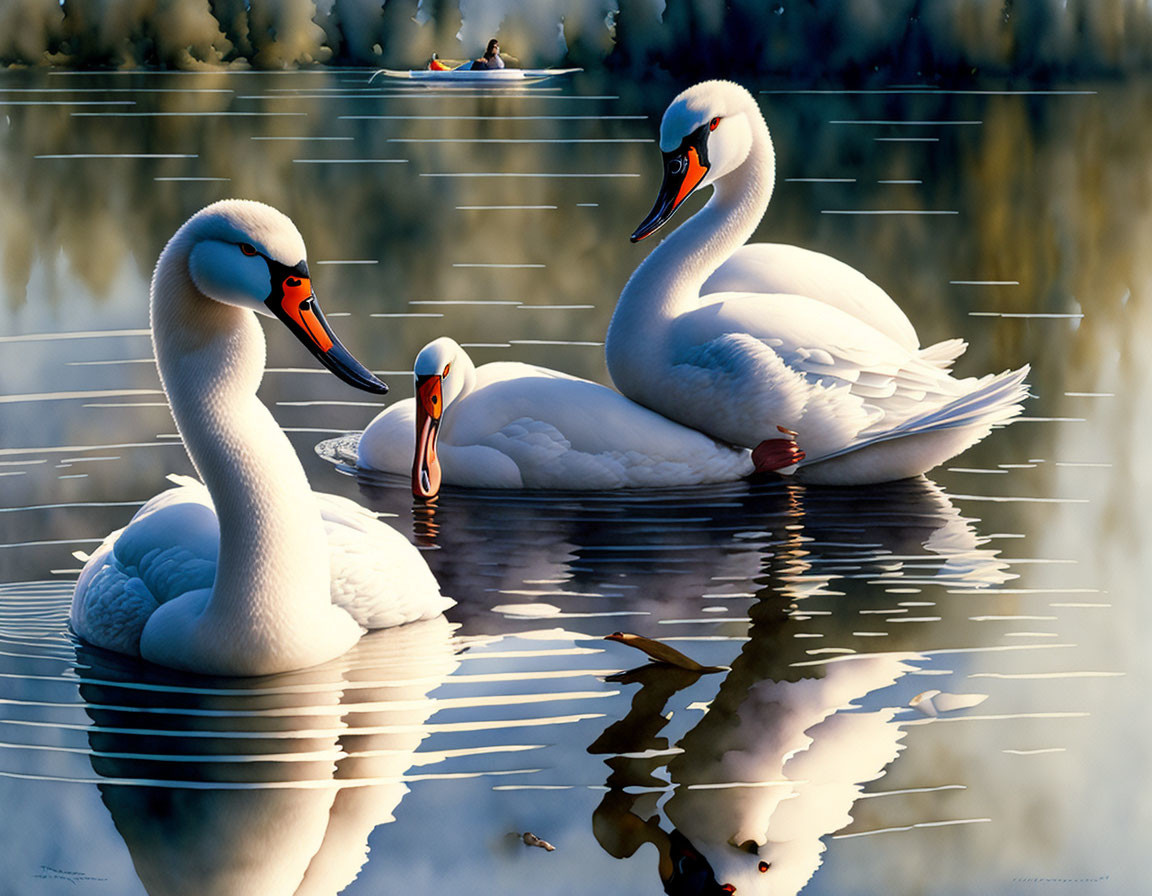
(797, 340)
(513, 425)
(254, 574)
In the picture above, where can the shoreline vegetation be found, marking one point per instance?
(859, 41)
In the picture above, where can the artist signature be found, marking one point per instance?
(1061, 880)
(47, 872)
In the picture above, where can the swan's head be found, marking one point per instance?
(443, 372)
(250, 255)
(706, 133)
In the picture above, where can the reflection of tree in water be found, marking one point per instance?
(102, 221)
(1035, 206)
(786, 745)
(266, 785)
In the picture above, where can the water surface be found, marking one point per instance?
(1010, 580)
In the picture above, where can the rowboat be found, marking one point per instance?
(499, 76)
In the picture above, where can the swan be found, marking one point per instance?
(743, 341)
(513, 425)
(250, 573)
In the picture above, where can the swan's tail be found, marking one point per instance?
(942, 354)
(927, 439)
(995, 399)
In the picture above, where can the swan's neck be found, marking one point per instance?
(667, 283)
(273, 550)
(463, 383)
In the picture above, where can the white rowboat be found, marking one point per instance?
(501, 76)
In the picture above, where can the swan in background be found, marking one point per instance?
(252, 573)
(513, 425)
(796, 341)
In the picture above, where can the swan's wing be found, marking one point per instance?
(749, 363)
(741, 389)
(777, 268)
(169, 548)
(942, 354)
(979, 404)
(378, 577)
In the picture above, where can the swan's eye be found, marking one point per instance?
(763, 866)
(447, 367)
(712, 124)
(247, 248)
(676, 166)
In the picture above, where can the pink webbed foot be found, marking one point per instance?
(778, 455)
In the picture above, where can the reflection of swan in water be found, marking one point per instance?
(885, 529)
(772, 767)
(251, 573)
(270, 786)
(783, 750)
(803, 757)
(513, 425)
(659, 551)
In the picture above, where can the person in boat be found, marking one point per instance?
(490, 59)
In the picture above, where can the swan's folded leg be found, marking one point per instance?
(778, 455)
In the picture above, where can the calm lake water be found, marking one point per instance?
(1012, 581)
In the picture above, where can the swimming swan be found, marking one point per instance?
(797, 341)
(512, 425)
(252, 573)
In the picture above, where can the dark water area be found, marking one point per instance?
(927, 687)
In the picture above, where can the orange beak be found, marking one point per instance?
(299, 303)
(684, 169)
(293, 301)
(426, 473)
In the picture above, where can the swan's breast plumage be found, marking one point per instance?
(170, 548)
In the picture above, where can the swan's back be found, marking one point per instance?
(780, 268)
